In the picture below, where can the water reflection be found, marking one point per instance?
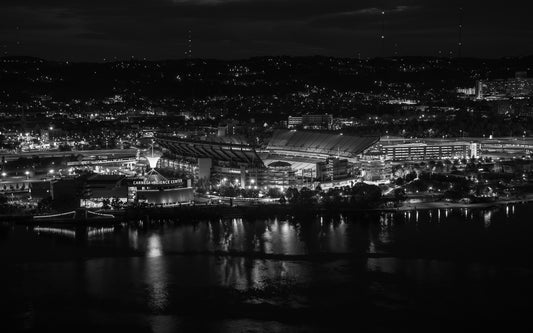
(154, 247)
(487, 218)
(156, 276)
(337, 234)
(55, 231)
(432, 260)
(89, 233)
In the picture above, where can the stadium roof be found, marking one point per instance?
(229, 150)
(320, 143)
(279, 164)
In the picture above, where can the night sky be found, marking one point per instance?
(157, 29)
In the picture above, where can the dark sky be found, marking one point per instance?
(157, 29)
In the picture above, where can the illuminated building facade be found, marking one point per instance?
(311, 121)
(332, 169)
(374, 166)
(519, 86)
(310, 155)
(429, 150)
(280, 174)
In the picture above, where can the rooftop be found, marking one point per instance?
(320, 143)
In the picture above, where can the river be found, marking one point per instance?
(428, 270)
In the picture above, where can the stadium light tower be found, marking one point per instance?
(189, 44)
(152, 160)
(383, 34)
(460, 32)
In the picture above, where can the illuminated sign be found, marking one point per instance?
(161, 182)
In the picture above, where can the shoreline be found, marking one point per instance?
(266, 210)
(451, 205)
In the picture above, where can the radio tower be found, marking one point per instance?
(383, 34)
(460, 31)
(189, 44)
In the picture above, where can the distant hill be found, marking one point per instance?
(183, 78)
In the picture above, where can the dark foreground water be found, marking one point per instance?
(439, 270)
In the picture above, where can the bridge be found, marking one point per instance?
(109, 153)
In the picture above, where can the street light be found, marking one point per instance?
(51, 171)
(27, 173)
(4, 174)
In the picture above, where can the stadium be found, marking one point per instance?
(289, 157)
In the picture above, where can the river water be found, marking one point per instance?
(432, 270)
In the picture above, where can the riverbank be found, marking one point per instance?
(264, 210)
(451, 205)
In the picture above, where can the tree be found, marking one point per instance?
(116, 203)
(307, 196)
(417, 186)
(458, 191)
(105, 204)
(439, 167)
(399, 194)
(274, 192)
(399, 181)
(410, 176)
(292, 195)
(365, 194)
(45, 204)
(64, 147)
(229, 191)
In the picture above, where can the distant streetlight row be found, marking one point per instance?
(27, 173)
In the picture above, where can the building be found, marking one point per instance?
(293, 122)
(280, 174)
(507, 147)
(67, 192)
(519, 86)
(102, 164)
(153, 188)
(513, 166)
(374, 166)
(231, 158)
(311, 121)
(317, 146)
(332, 169)
(215, 157)
(94, 190)
(105, 187)
(403, 150)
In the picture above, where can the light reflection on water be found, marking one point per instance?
(165, 267)
(154, 247)
(487, 218)
(156, 276)
(339, 234)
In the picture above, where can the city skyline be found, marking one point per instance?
(265, 165)
(78, 31)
